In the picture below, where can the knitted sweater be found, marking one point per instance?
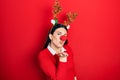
(53, 68)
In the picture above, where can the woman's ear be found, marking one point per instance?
(50, 36)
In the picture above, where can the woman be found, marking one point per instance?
(56, 60)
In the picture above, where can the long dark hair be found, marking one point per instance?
(56, 26)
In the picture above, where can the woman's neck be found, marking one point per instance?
(57, 49)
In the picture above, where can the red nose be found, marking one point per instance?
(63, 38)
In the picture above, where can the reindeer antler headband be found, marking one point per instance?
(57, 9)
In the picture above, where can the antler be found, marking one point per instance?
(70, 18)
(56, 9)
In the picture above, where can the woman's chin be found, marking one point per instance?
(60, 45)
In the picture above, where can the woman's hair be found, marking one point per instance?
(56, 26)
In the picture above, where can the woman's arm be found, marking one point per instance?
(72, 59)
(50, 69)
(75, 78)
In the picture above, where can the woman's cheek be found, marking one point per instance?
(56, 41)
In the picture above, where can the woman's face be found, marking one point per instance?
(55, 37)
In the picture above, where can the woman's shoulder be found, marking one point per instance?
(43, 52)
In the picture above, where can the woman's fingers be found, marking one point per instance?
(64, 54)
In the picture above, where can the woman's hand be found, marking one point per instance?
(75, 78)
(63, 57)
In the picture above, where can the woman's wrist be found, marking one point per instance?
(63, 59)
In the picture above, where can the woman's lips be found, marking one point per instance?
(62, 42)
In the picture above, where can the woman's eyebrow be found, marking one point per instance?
(61, 32)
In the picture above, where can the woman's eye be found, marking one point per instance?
(59, 33)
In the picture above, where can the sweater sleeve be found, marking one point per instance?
(51, 71)
(71, 58)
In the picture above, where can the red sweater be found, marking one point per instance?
(55, 70)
